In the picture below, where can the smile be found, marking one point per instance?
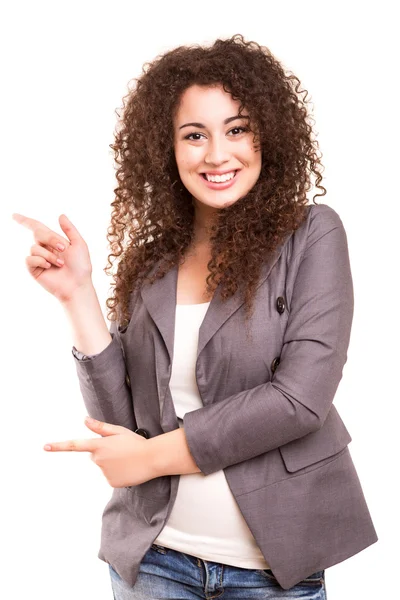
(220, 182)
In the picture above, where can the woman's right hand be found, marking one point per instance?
(76, 272)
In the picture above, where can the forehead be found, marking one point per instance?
(206, 104)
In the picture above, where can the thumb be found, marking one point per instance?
(104, 429)
(70, 229)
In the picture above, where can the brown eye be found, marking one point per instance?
(241, 129)
(188, 137)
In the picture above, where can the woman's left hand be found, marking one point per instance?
(121, 454)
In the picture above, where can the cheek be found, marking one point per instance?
(250, 155)
(185, 160)
(255, 159)
(258, 160)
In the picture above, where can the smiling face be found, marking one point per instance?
(210, 138)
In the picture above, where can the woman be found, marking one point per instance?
(230, 324)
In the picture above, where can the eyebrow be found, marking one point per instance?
(228, 120)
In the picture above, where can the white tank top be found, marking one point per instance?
(205, 520)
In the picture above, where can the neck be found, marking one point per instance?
(204, 217)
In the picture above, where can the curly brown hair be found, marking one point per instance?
(153, 215)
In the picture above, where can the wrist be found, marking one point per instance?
(90, 333)
(170, 455)
(157, 460)
(80, 293)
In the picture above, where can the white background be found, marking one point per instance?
(65, 69)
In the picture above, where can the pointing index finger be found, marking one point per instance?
(53, 238)
(25, 221)
(73, 446)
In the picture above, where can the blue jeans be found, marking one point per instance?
(168, 574)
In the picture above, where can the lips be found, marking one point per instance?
(224, 173)
(222, 185)
(220, 172)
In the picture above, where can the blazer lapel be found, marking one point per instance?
(160, 301)
(218, 311)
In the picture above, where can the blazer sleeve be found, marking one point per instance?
(80, 355)
(296, 401)
(103, 383)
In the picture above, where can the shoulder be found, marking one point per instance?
(322, 217)
(320, 220)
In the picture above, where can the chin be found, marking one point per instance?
(220, 203)
(229, 203)
(218, 200)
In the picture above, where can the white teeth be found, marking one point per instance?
(220, 178)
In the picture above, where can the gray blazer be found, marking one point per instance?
(268, 419)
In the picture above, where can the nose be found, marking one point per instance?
(217, 152)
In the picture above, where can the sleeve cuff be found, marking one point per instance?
(80, 355)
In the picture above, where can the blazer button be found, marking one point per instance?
(128, 381)
(275, 363)
(280, 304)
(143, 432)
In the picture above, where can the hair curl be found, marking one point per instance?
(152, 216)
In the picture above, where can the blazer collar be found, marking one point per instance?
(160, 301)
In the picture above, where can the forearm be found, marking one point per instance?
(170, 454)
(89, 329)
